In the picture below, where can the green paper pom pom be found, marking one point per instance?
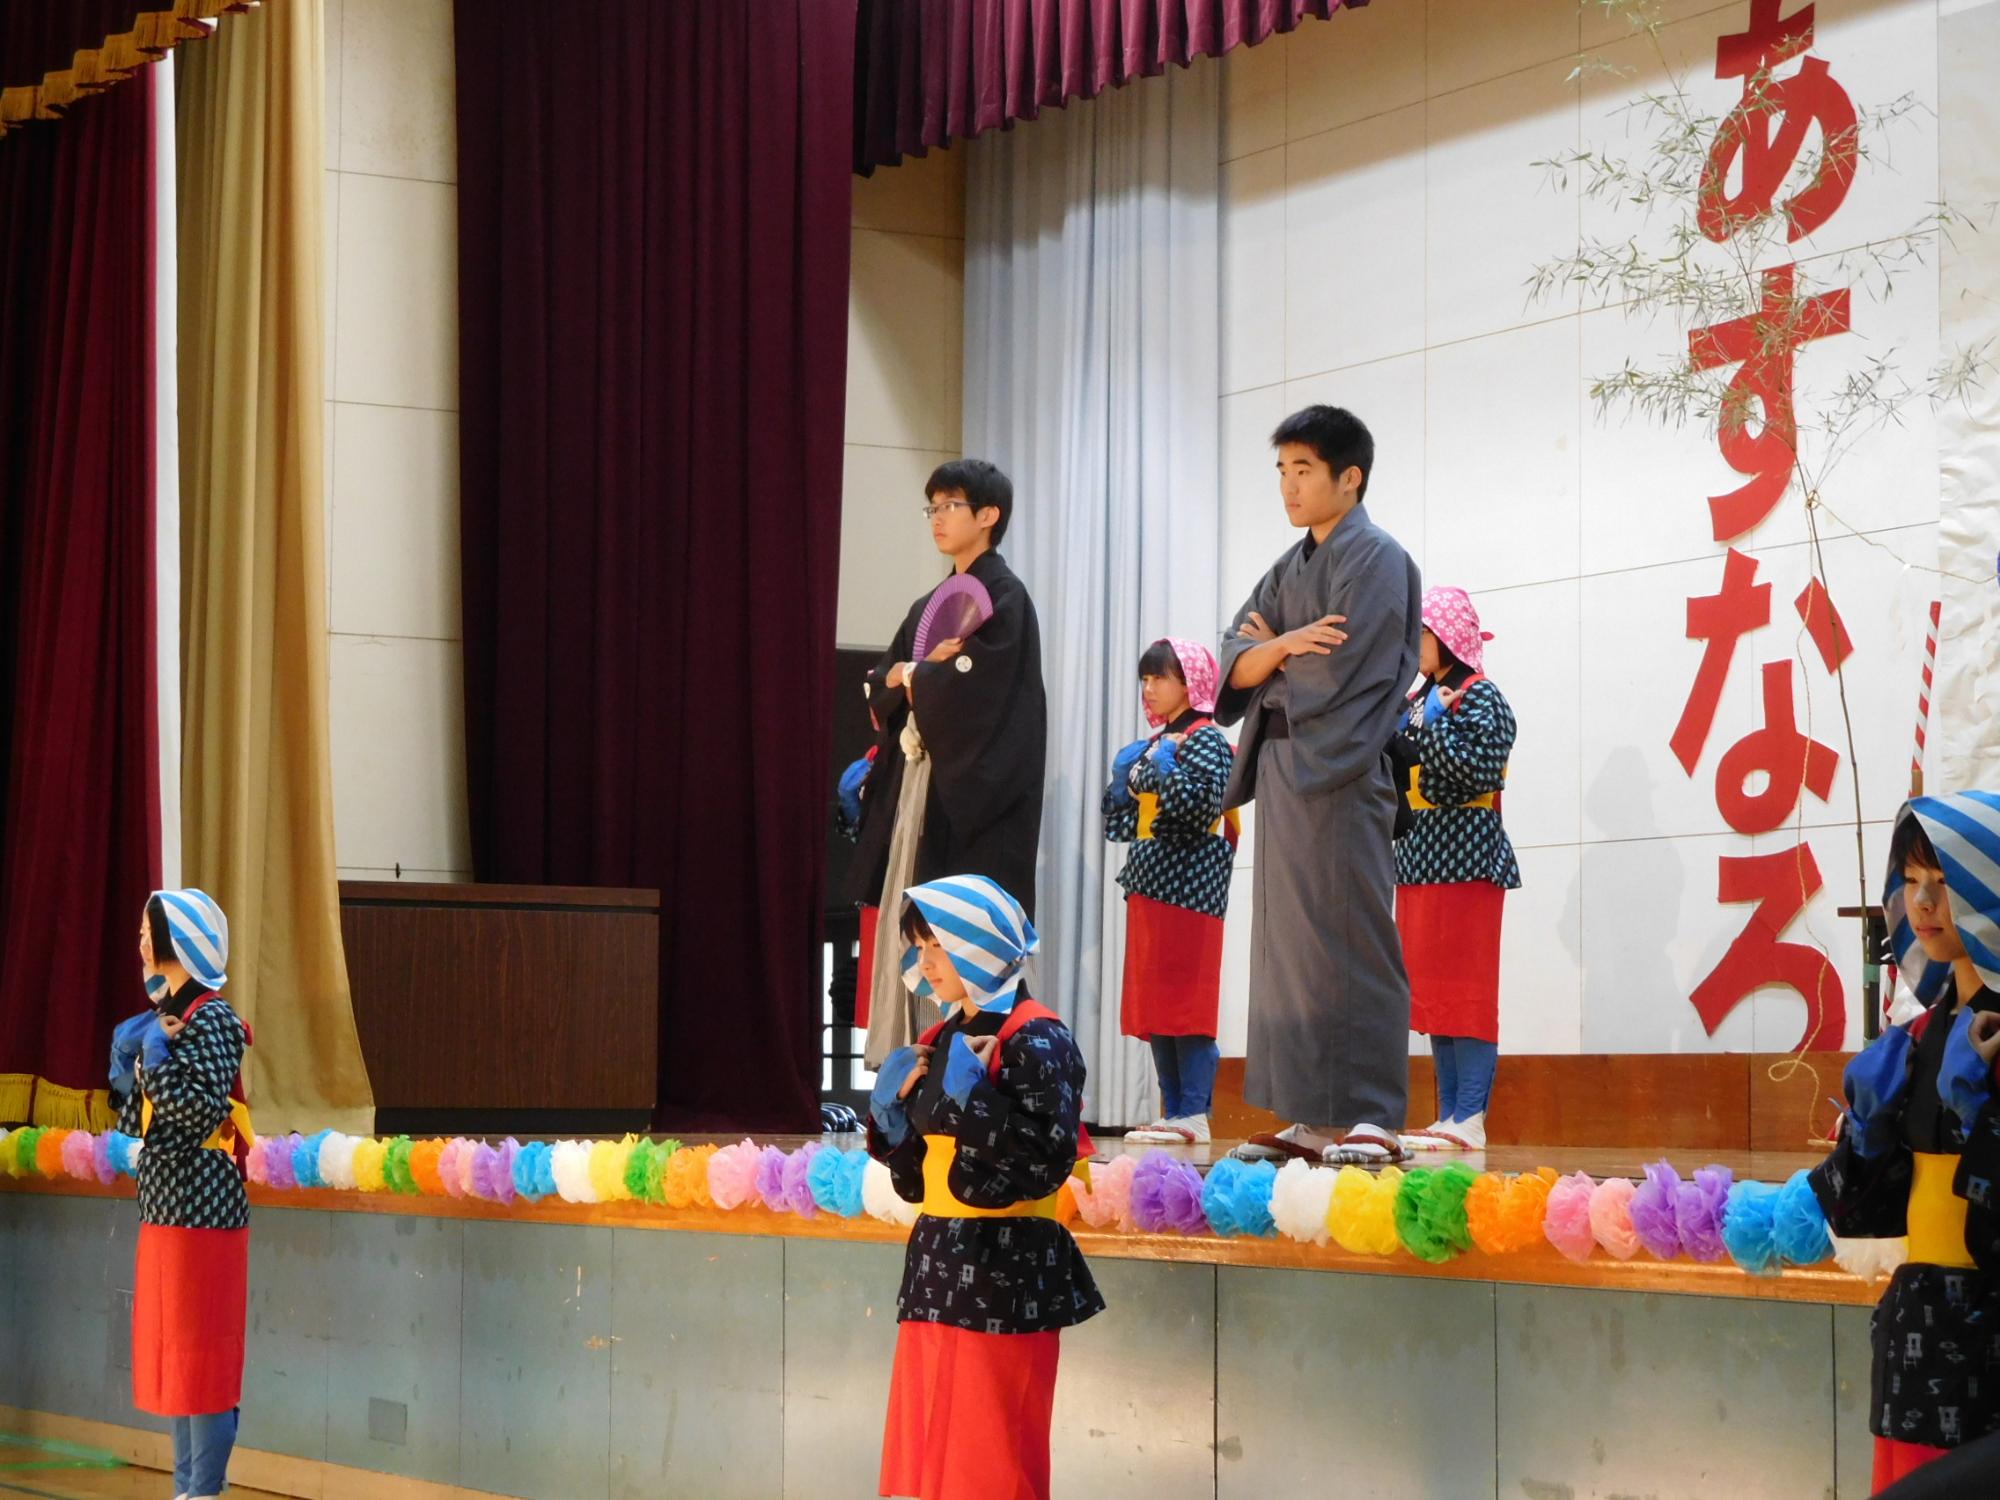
(396, 1166)
(656, 1171)
(24, 1143)
(1430, 1212)
(635, 1169)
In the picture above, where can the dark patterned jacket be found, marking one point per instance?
(1184, 862)
(183, 1184)
(1462, 757)
(1017, 1140)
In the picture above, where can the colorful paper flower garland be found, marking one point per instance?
(1430, 1213)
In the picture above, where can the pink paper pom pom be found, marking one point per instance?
(732, 1174)
(1566, 1219)
(798, 1188)
(79, 1155)
(448, 1166)
(1611, 1217)
(253, 1164)
(1106, 1202)
(771, 1178)
(100, 1159)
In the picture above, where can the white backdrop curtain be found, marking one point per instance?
(1092, 376)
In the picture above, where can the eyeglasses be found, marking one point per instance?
(931, 510)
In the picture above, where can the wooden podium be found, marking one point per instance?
(490, 1008)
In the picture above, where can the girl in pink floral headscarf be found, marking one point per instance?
(1165, 799)
(1454, 865)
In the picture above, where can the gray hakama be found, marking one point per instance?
(1329, 999)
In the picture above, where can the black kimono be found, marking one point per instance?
(985, 722)
(1016, 1140)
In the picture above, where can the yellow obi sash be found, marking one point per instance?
(224, 1137)
(940, 1151)
(1418, 803)
(1149, 810)
(1937, 1214)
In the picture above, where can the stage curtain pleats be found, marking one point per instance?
(257, 801)
(54, 53)
(79, 794)
(653, 253)
(928, 72)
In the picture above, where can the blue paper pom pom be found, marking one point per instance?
(121, 1148)
(1748, 1227)
(1800, 1227)
(305, 1160)
(534, 1172)
(823, 1174)
(1236, 1196)
(854, 1172)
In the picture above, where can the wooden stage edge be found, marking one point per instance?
(1541, 1266)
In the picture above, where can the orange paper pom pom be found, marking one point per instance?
(1482, 1211)
(1523, 1206)
(425, 1157)
(684, 1178)
(1066, 1210)
(48, 1151)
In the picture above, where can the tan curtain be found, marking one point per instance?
(256, 791)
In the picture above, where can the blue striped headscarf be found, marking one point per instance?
(982, 930)
(201, 935)
(1964, 828)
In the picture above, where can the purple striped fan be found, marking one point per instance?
(959, 606)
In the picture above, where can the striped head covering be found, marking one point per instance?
(983, 931)
(1198, 668)
(201, 935)
(1964, 828)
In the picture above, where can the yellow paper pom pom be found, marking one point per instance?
(425, 1168)
(1362, 1214)
(48, 1151)
(1482, 1211)
(608, 1161)
(368, 1157)
(685, 1178)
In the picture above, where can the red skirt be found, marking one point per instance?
(1895, 1460)
(1451, 947)
(864, 979)
(1173, 970)
(190, 1295)
(969, 1414)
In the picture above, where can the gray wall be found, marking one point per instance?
(577, 1363)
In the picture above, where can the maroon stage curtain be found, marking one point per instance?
(653, 248)
(79, 752)
(928, 72)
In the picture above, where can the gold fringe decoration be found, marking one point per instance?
(24, 1098)
(154, 34)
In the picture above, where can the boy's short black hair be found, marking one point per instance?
(1911, 845)
(162, 935)
(981, 483)
(912, 924)
(1161, 660)
(1339, 437)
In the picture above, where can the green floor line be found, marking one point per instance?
(57, 1445)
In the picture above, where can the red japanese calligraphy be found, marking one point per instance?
(1721, 620)
(1781, 883)
(1786, 758)
(1824, 625)
(1763, 344)
(1767, 130)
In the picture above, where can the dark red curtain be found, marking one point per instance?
(928, 72)
(79, 753)
(653, 247)
(38, 37)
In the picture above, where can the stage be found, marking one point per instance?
(413, 1342)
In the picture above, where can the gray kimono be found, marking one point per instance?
(1329, 999)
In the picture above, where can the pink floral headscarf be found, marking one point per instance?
(1198, 666)
(1449, 615)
